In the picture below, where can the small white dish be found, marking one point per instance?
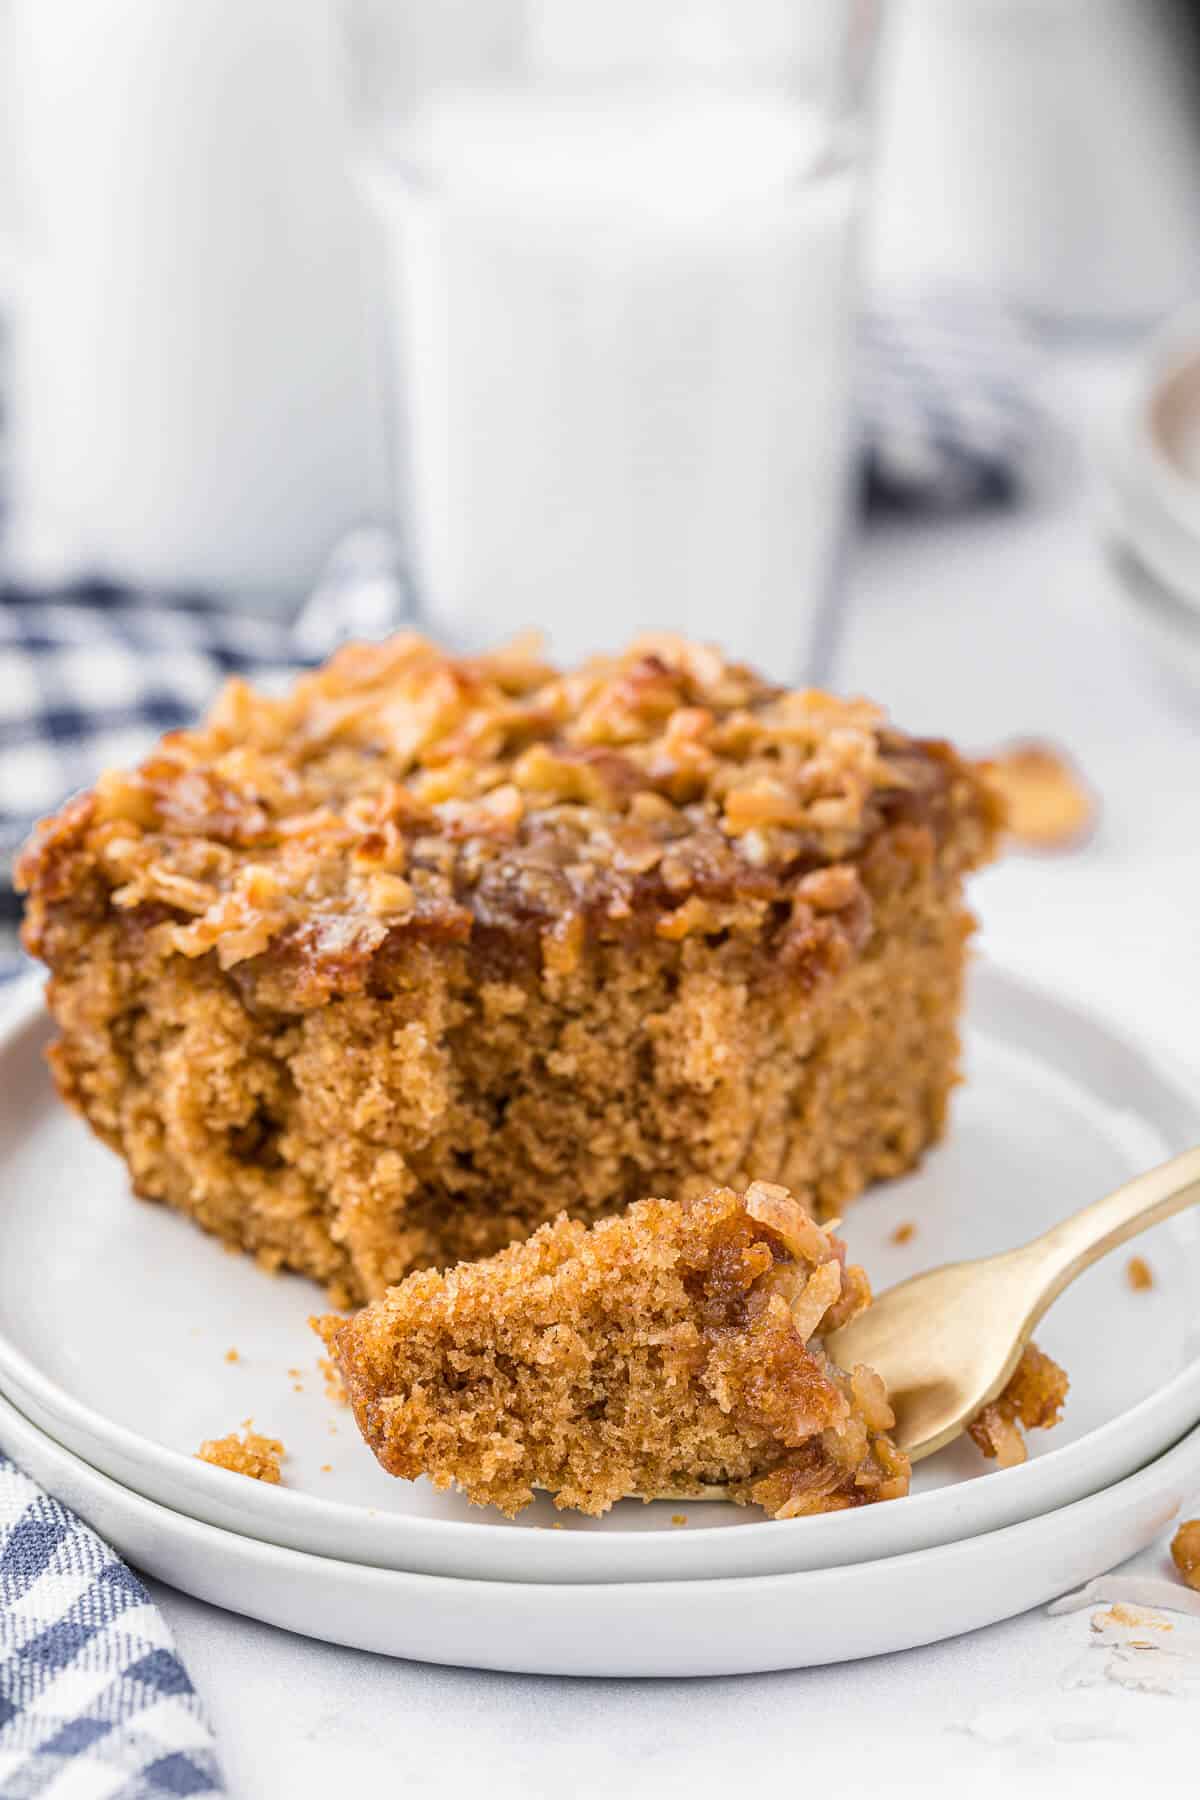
(1154, 466)
(116, 1318)
(671, 1628)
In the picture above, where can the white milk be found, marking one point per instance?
(623, 332)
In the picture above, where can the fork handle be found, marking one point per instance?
(1069, 1248)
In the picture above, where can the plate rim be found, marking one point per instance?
(448, 1540)
(785, 1596)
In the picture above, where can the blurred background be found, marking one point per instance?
(853, 336)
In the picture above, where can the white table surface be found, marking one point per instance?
(982, 629)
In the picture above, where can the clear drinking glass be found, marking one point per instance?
(622, 242)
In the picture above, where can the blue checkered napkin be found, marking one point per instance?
(948, 396)
(94, 1701)
(90, 676)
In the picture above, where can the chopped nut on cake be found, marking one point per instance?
(671, 1350)
(1047, 803)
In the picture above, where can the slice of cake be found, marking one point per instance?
(389, 971)
(662, 1353)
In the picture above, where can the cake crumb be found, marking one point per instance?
(679, 1518)
(231, 1356)
(904, 1233)
(1185, 1552)
(252, 1455)
(1048, 803)
(1033, 1399)
(297, 1387)
(327, 1468)
(295, 1373)
(1139, 1274)
(335, 1388)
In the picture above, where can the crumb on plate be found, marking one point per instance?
(335, 1387)
(231, 1356)
(251, 1454)
(1139, 1274)
(904, 1233)
(1033, 1399)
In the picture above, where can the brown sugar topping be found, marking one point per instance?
(398, 790)
(251, 1454)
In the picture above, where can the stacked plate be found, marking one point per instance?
(1153, 524)
(126, 1338)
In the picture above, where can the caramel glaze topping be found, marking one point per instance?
(399, 792)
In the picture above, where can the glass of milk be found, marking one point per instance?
(622, 236)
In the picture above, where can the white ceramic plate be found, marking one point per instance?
(115, 1320)
(726, 1627)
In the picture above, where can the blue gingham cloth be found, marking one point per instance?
(94, 1701)
(90, 675)
(948, 399)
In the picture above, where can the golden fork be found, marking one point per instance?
(947, 1342)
